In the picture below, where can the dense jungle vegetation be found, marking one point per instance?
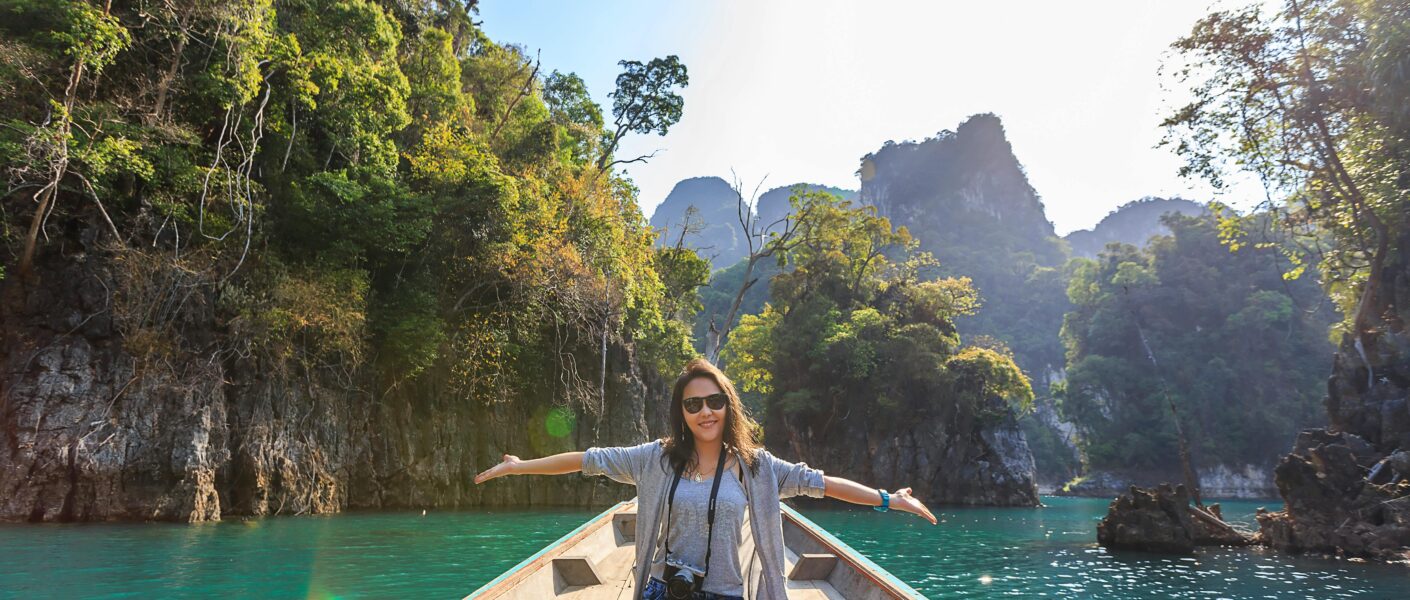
(377, 187)
(1241, 352)
(363, 183)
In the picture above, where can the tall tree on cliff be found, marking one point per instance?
(1311, 100)
(645, 101)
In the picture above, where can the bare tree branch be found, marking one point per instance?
(523, 93)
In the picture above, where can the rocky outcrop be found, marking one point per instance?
(1334, 506)
(1054, 442)
(948, 459)
(964, 196)
(1161, 519)
(1347, 488)
(964, 184)
(1148, 520)
(91, 430)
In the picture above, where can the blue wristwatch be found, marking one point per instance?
(885, 501)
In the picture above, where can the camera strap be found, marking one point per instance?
(710, 515)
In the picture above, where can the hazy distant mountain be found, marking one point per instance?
(961, 189)
(719, 238)
(1132, 223)
(773, 204)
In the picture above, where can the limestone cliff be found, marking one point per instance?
(90, 431)
(965, 197)
(1251, 482)
(947, 456)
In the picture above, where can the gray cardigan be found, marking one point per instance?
(646, 467)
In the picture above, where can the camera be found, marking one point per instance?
(682, 579)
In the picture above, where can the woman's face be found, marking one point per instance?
(708, 425)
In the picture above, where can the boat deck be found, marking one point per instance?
(594, 562)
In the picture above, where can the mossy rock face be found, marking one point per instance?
(185, 437)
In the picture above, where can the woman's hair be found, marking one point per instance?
(739, 428)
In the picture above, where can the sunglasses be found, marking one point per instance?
(716, 402)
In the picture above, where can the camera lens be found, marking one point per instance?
(681, 585)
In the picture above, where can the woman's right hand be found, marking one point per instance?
(505, 467)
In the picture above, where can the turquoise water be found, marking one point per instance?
(974, 553)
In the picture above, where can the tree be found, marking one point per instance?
(91, 38)
(855, 326)
(428, 201)
(764, 240)
(645, 101)
(1310, 100)
(571, 106)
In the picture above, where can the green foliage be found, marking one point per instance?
(572, 108)
(92, 38)
(1238, 348)
(852, 328)
(682, 272)
(1308, 96)
(433, 74)
(981, 373)
(409, 330)
(751, 352)
(716, 298)
(350, 52)
(362, 183)
(645, 101)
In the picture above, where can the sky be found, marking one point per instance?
(783, 92)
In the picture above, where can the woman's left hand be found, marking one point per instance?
(903, 500)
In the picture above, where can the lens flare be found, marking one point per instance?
(560, 422)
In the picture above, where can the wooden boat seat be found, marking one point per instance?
(576, 571)
(625, 525)
(812, 567)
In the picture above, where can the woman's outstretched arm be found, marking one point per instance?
(619, 463)
(856, 493)
(558, 464)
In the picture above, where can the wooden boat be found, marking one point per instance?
(594, 562)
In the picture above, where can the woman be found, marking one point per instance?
(675, 478)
